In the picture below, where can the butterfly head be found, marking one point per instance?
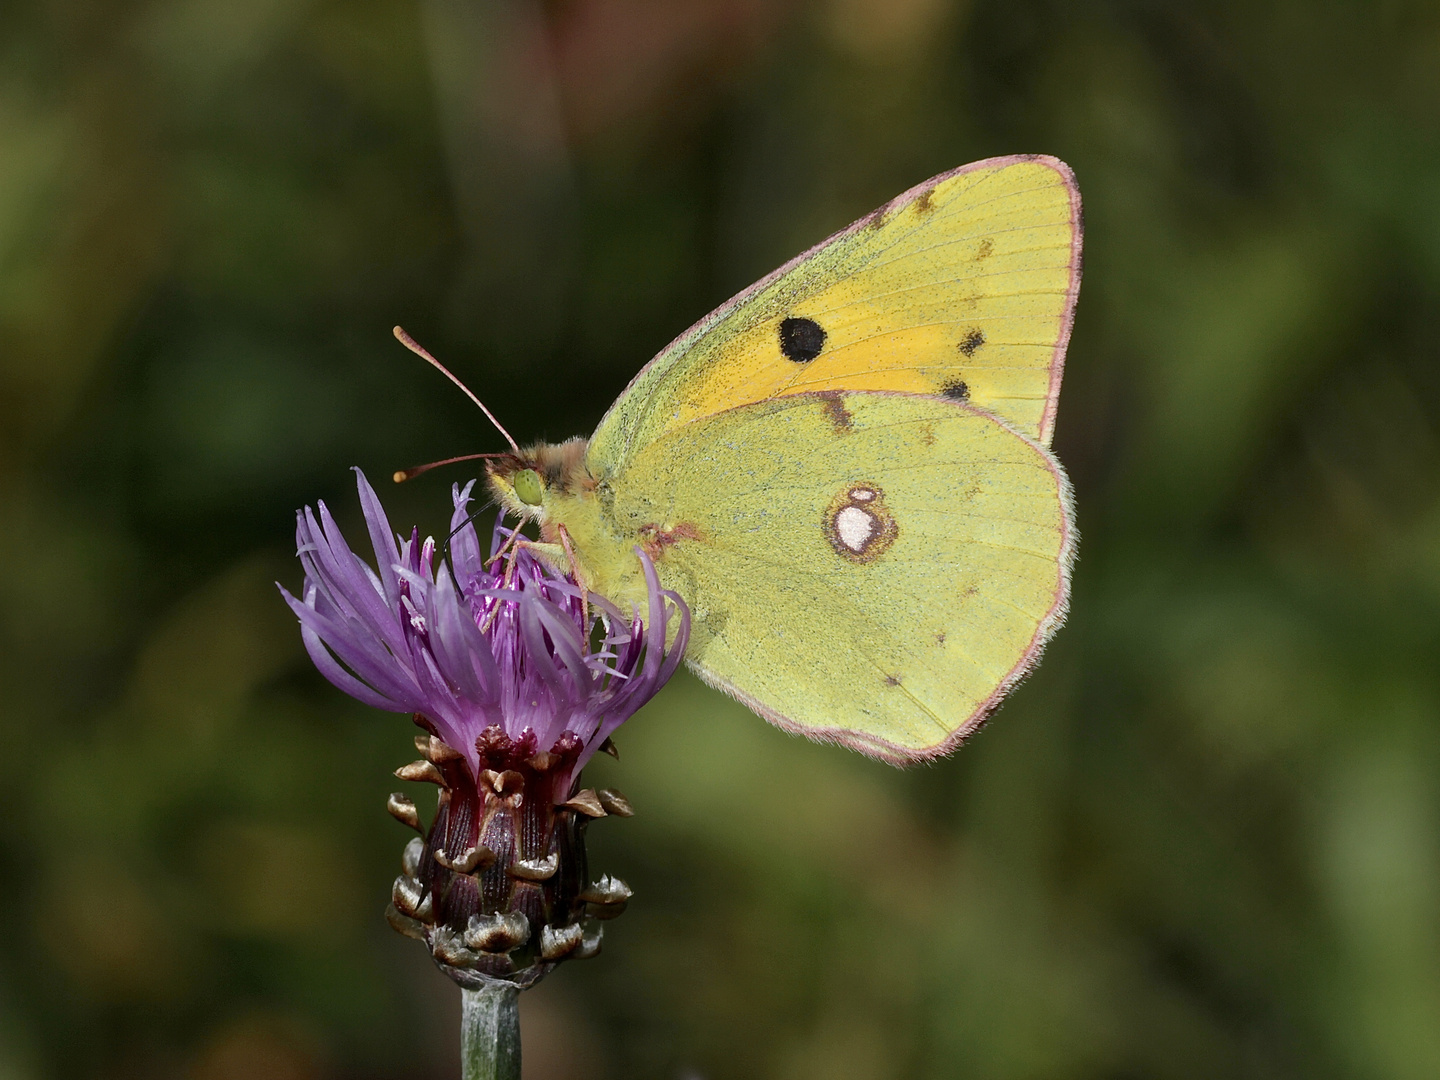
(530, 484)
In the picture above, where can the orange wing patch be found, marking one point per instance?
(968, 290)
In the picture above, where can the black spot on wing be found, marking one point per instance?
(956, 391)
(801, 339)
(973, 340)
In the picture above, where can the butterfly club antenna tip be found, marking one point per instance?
(401, 475)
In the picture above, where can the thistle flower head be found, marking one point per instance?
(518, 678)
(498, 658)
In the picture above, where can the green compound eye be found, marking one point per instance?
(528, 488)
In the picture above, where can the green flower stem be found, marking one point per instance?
(490, 1033)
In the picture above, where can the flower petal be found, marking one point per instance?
(382, 537)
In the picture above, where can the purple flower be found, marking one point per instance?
(492, 651)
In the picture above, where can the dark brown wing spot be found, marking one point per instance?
(801, 339)
(923, 204)
(983, 249)
(834, 404)
(956, 390)
(973, 340)
(892, 680)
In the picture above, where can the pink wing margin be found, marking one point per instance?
(1067, 318)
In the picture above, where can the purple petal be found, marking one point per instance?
(382, 537)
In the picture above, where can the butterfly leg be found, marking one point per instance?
(562, 557)
(506, 549)
(575, 573)
(507, 552)
(554, 554)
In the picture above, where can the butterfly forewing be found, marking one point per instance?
(962, 287)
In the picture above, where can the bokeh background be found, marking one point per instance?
(1202, 841)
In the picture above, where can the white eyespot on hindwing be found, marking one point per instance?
(855, 527)
(857, 524)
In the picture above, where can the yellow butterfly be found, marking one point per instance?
(845, 469)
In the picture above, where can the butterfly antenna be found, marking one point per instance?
(401, 475)
(414, 346)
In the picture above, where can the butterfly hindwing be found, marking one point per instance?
(869, 568)
(963, 287)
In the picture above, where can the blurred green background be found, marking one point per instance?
(1202, 841)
